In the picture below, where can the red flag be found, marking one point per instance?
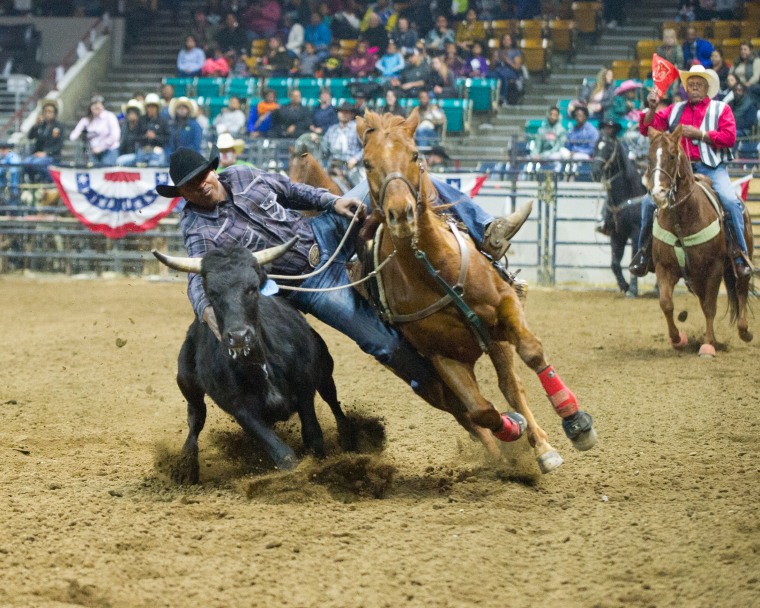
(741, 186)
(664, 74)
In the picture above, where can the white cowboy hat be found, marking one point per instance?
(226, 142)
(710, 76)
(133, 104)
(183, 101)
(152, 99)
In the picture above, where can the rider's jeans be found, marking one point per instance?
(721, 183)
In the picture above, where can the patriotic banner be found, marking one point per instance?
(116, 200)
(741, 186)
(664, 74)
(469, 183)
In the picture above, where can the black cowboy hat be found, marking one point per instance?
(608, 122)
(346, 107)
(184, 165)
(439, 151)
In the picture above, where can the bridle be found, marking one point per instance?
(671, 195)
(615, 156)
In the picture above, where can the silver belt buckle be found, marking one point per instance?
(314, 256)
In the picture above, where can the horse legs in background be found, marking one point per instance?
(577, 424)
(618, 242)
(743, 285)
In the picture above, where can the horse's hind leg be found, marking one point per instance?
(708, 301)
(577, 424)
(618, 247)
(665, 283)
(743, 285)
(502, 355)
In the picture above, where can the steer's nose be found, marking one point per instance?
(240, 338)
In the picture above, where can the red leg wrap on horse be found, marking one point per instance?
(510, 430)
(562, 398)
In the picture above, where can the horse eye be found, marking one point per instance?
(367, 165)
(415, 156)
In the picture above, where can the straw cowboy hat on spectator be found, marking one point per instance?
(133, 104)
(226, 142)
(152, 99)
(183, 101)
(699, 71)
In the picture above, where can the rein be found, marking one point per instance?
(607, 181)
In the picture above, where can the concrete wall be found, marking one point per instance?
(59, 35)
(78, 82)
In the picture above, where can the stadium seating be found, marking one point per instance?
(209, 87)
(458, 115)
(182, 85)
(483, 92)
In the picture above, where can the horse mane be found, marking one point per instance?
(383, 123)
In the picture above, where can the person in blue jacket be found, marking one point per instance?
(696, 50)
(184, 130)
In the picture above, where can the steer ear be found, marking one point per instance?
(177, 263)
(265, 256)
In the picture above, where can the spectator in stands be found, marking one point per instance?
(477, 66)
(414, 76)
(746, 68)
(720, 66)
(345, 25)
(238, 63)
(687, 10)
(214, 12)
(296, 32)
(441, 81)
(10, 174)
(601, 97)
(432, 120)
(132, 132)
(386, 13)
(696, 50)
(308, 61)
(341, 148)
(745, 112)
(376, 35)
(550, 137)
(231, 36)
(190, 59)
(437, 38)
(670, 49)
(216, 65)
(437, 158)
(276, 60)
(260, 19)
(581, 139)
(100, 129)
(293, 119)
(454, 63)
(419, 14)
(47, 142)
(155, 134)
(332, 66)
(260, 116)
(727, 94)
(627, 103)
(231, 119)
(318, 33)
(391, 63)
(184, 131)
(324, 115)
(404, 37)
(360, 63)
(167, 94)
(506, 65)
(360, 102)
(202, 30)
(470, 31)
(229, 150)
(391, 104)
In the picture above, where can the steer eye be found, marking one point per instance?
(251, 291)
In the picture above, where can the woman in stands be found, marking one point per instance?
(360, 63)
(670, 49)
(391, 104)
(720, 66)
(746, 68)
(100, 129)
(190, 59)
(602, 96)
(441, 82)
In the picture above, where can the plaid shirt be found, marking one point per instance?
(342, 143)
(256, 215)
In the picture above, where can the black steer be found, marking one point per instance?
(267, 366)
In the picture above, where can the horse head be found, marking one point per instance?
(668, 165)
(398, 184)
(605, 153)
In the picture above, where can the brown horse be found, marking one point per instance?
(305, 169)
(687, 218)
(401, 193)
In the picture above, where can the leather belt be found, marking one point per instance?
(314, 255)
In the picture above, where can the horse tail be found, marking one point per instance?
(733, 297)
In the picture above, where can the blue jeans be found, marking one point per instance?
(732, 205)
(151, 159)
(37, 168)
(106, 158)
(425, 136)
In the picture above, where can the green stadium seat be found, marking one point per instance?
(209, 87)
(458, 113)
(182, 86)
(309, 87)
(484, 92)
(408, 102)
(280, 86)
(532, 125)
(214, 105)
(338, 86)
(564, 105)
(240, 87)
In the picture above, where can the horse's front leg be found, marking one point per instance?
(666, 281)
(618, 247)
(503, 358)
(577, 424)
(708, 301)
(484, 419)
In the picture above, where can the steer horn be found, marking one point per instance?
(265, 256)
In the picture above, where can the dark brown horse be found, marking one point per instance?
(686, 215)
(304, 167)
(401, 193)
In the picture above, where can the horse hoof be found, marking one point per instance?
(683, 340)
(707, 350)
(549, 461)
(746, 335)
(585, 441)
(631, 294)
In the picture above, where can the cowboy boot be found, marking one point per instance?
(740, 260)
(640, 263)
(502, 229)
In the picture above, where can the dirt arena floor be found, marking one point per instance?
(663, 512)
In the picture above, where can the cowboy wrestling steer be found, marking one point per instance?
(267, 365)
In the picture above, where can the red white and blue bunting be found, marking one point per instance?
(469, 183)
(114, 201)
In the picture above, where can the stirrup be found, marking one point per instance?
(502, 229)
(519, 285)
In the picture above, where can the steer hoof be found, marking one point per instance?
(549, 461)
(683, 340)
(707, 350)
